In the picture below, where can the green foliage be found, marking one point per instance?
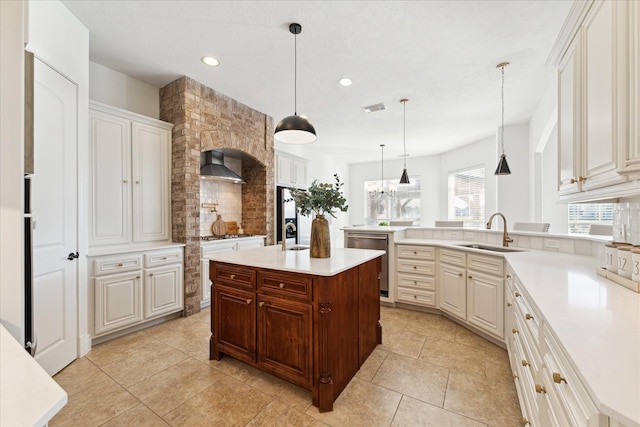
(383, 223)
(321, 198)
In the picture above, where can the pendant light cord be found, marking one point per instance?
(295, 74)
(382, 163)
(502, 97)
(404, 130)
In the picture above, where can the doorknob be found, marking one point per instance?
(73, 256)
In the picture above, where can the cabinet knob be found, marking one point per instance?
(459, 274)
(164, 257)
(582, 178)
(508, 304)
(150, 274)
(248, 301)
(415, 282)
(528, 316)
(517, 294)
(137, 182)
(281, 285)
(120, 264)
(525, 421)
(137, 277)
(525, 363)
(508, 276)
(125, 181)
(415, 252)
(573, 181)
(414, 267)
(233, 276)
(261, 303)
(515, 331)
(515, 376)
(540, 389)
(470, 276)
(557, 378)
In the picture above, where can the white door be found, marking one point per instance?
(55, 204)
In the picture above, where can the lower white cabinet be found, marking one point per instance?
(452, 292)
(134, 287)
(416, 275)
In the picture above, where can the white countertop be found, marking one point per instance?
(597, 322)
(273, 257)
(111, 250)
(28, 395)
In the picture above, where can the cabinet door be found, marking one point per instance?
(284, 169)
(151, 174)
(631, 147)
(235, 322)
(569, 120)
(118, 301)
(485, 296)
(600, 145)
(452, 291)
(284, 339)
(110, 175)
(162, 290)
(300, 174)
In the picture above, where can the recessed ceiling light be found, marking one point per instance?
(375, 107)
(210, 61)
(345, 81)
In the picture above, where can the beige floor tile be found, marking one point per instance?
(415, 378)
(488, 401)
(235, 368)
(457, 357)
(467, 337)
(173, 386)
(139, 416)
(372, 364)
(433, 325)
(413, 412)
(360, 404)
(78, 375)
(404, 343)
(101, 401)
(118, 348)
(282, 415)
(188, 341)
(228, 402)
(143, 363)
(293, 395)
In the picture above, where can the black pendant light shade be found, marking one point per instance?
(295, 129)
(404, 179)
(503, 166)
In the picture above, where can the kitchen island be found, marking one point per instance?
(310, 321)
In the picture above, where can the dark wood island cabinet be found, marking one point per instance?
(313, 324)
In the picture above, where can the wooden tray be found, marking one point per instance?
(614, 277)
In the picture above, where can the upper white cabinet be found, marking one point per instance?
(130, 174)
(291, 171)
(596, 123)
(631, 156)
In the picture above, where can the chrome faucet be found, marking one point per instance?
(284, 233)
(505, 237)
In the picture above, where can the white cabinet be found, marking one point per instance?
(130, 177)
(291, 171)
(416, 275)
(452, 283)
(134, 287)
(631, 151)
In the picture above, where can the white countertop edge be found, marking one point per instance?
(29, 396)
(230, 240)
(114, 250)
(273, 258)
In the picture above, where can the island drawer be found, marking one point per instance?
(288, 286)
(232, 275)
(416, 252)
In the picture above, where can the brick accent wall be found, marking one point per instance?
(203, 120)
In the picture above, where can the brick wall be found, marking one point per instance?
(203, 120)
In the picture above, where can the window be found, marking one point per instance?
(582, 215)
(466, 196)
(397, 202)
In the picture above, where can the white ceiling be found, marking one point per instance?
(442, 55)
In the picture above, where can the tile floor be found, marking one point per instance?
(429, 371)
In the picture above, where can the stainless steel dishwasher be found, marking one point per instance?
(374, 241)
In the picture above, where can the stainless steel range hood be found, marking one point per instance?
(214, 168)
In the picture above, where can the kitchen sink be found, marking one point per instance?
(298, 248)
(490, 248)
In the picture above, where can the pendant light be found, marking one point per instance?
(295, 129)
(404, 179)
(503, 166)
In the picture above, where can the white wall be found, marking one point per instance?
(552, 212)
(11, 166)
(512, 191)
(119, 90)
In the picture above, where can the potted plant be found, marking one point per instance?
(321, 199)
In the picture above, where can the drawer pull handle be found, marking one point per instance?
(515, 331)
(540, 389)
(414, 267)
(137, 277)
(525, 421)
(525, 363)
(164, 257)
(233, 276)
(281, 285)
(120, 264)
(508, 304)
(459, 274)
(150, 274)
(508, 276)
(517, 294)
(260, 304)
(470, 276)
(557, 378)
(248, 301)
(415, 252)
(528, 316)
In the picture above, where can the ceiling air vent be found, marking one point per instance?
(375, 107)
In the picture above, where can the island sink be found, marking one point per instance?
(489, 248)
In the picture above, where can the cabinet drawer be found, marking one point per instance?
(486, 264)
(217, 247)
(285, 285)
(416, 266)
(117, 264)
(417, 296)
(416, 252)
(416, 281)
(453, 257)
(153, 259)
(232, 275)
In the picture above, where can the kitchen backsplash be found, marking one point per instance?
(626, 221)
(227, 195)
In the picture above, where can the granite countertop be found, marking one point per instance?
(28, 395)
(274, 258)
